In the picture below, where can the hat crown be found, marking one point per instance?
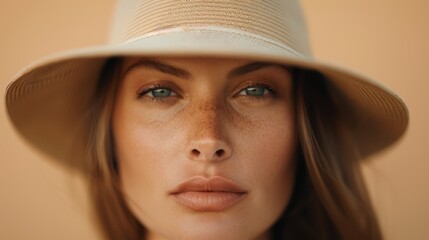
(279, 21)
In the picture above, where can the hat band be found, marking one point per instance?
(213, 30)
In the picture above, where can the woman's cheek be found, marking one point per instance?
(272, 151)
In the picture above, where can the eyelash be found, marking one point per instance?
(142, 93)
(257, 85)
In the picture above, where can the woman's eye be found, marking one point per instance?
(255, 91)
(160, 92)
(156, 93)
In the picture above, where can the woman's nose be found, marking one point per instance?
(209, 150)
(207, 135)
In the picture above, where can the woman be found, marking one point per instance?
(210, 120)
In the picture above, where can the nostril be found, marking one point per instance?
(195, 152)
(220, 152)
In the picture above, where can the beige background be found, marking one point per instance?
(386, 39)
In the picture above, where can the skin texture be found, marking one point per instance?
(207, 126)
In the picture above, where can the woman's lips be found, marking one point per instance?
(208, 194)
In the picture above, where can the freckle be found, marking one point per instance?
(205, 112)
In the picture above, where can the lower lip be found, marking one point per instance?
(208, 201)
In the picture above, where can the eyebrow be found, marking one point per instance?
(251, 67)
(162, 67)
(169, 69)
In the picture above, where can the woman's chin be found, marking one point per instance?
(209, 233)
(210, 226)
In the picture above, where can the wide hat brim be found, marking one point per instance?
(50, 102)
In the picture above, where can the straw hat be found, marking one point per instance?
(49, 102)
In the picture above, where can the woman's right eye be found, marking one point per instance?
(156, 93)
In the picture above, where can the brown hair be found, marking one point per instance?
(330, 200)
(115, 218)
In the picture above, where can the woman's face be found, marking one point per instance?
(205, 146)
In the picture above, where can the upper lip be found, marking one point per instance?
(202, 184)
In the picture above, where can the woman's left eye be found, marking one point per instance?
(160, 92)
(256, 91)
